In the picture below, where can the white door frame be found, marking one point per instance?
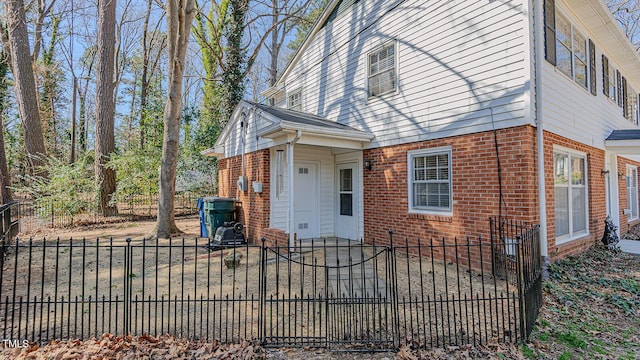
(356, 191)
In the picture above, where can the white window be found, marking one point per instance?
(632, 192)
(382, 70)
(279, 173)
(612, 83)
(632, 105)
(570, 188)
(571, 50)
(294, 100)
(430, 180)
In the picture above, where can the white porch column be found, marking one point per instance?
(291, 208)
(613, 193)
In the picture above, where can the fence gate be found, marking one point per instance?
(331, 293)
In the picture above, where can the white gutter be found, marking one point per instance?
(542, 193)
(291, 211)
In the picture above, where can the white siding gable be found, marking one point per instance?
(245, 127)
(460, 68)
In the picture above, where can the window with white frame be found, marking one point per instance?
(609, 79)
(294, 100)
(632, 192)
(382, 70)
(571, 50)
(612, 84)
(632, 105)
(570, 189)
(430, 180)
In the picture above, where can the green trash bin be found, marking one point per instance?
(217, 211)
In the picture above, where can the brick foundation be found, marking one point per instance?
(475, 191)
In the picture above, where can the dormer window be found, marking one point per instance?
(382, 70)
(294, 100)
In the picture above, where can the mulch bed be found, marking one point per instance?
(633, 233)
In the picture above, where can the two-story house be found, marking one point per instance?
(428, 117)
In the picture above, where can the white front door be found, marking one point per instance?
(347, 191)
(306, 200)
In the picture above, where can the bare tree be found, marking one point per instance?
(627, 12)
(24, 84)
(105, 105)
(180, 15)
(286, 15)
(149, 65)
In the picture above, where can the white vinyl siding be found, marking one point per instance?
(570, 189)
(430, 180)
(457, 60)
(632, 192)
(382, 71)
(573, 113)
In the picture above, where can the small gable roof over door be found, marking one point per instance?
(275, 126)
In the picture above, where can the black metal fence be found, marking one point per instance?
(9, 215)
(49, 214)
(329, 293)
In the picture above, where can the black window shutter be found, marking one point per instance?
(592, 67)
(605, 75)
(619, 87)
(550, 31)
(625, 98)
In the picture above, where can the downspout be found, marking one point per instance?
(243, 134)
(291, 223)
(542, 189)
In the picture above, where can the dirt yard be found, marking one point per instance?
(77, 289)
(136, 230)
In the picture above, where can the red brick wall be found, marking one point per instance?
(475, 190)
(625, 225)
(596, 192)
(475, 186)
(255, 210)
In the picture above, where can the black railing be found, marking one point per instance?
(329, 293)
(35, 215)
(9, 215)
(517, 258)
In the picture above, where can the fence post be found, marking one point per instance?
(2, 251)
(127, 287)
(394, 293)
(519, 278)
(262, 327)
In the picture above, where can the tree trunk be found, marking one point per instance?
(179, 18)
(72, 156)
(24, 85)
(5, 180)
(82, 125)
(145, 71)
(105, 107)
(273, 66)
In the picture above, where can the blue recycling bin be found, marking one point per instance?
(204, 232)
